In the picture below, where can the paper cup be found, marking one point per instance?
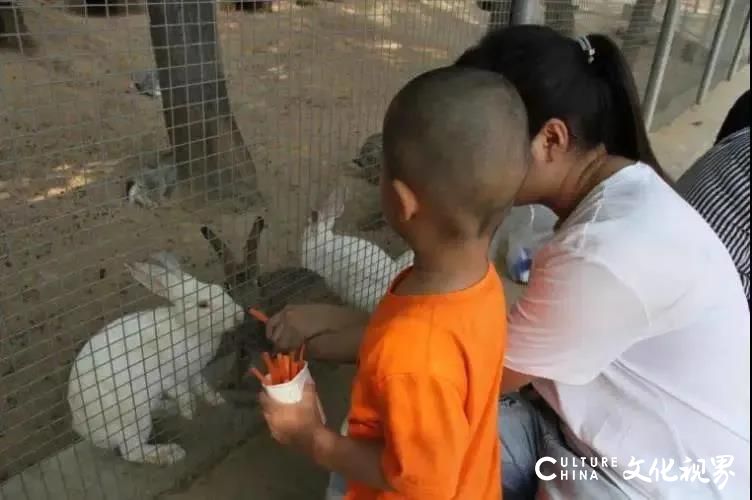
(292, 391)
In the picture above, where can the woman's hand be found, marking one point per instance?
(296, 324)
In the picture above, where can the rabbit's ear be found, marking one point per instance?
(223, 252)
(251, 246)
(151, 276)
(334, 206)
(168, 260)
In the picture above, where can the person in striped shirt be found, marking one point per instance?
(718, 184)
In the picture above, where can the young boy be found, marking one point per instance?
(423, 416)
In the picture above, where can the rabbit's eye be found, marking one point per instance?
(203, 304)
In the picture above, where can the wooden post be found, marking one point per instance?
(210, 153)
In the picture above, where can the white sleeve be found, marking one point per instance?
(574, 319)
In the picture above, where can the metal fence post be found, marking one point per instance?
(660, 60)
(715, 50)
(708, 22)
(525, 12)
(739, 46)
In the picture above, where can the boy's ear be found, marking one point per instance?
(551, 141)
(406, 200)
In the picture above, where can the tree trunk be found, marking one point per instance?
(641, 18)
(210, 153)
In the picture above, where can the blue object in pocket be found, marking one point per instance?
(520, 269)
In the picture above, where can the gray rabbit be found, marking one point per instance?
(369, 158)
(146, 82)
(155, 183)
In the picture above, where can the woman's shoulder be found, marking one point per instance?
(633, 219)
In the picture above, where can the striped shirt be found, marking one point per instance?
(717, 186)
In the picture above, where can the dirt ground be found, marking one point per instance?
(307, 85)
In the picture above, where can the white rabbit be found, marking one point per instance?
(133, 364)
(357, 270)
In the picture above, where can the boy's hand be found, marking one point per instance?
(295, 424)
(292, 326)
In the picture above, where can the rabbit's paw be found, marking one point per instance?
(214, 398)
(187, 405)
(164, 454)
(168, 406)
(205, 391)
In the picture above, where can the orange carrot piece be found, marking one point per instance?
(270, 367)
(258, 315)
(279, 366)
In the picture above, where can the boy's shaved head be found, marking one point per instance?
(458, 137)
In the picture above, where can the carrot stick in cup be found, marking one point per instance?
(269, 367)
(280, 366)
(288, 368)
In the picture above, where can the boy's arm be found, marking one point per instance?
(426, 438)
(331, 333)
(357, 460)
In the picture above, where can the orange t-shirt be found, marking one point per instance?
(428, 386)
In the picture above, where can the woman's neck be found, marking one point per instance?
(592, 169)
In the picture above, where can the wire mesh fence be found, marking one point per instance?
(165, 165)
(690, 53)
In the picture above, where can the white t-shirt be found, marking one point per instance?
(636, 319)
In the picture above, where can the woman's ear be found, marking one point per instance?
(407, 202)
(551, 141)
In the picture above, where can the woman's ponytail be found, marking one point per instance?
(630, 138)
(585, 82)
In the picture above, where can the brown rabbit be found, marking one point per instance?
(269, 292)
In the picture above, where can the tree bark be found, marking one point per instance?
(13, 30)
(210, 153)
(641, 18)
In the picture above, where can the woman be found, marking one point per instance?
(634, 327)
